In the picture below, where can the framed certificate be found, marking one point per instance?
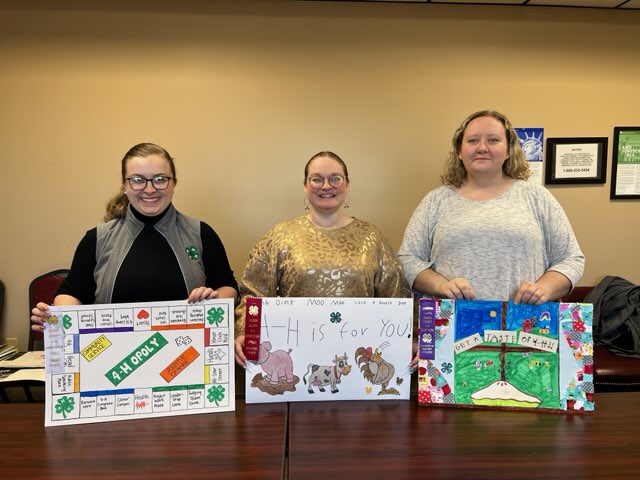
(576, 160)
(625, 168)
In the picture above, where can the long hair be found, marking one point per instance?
(516, 166)
(117, 206)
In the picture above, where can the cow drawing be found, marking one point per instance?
(321, 375)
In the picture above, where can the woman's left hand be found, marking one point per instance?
(532, 293)
(202, 293)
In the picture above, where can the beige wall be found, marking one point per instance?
(243, 93)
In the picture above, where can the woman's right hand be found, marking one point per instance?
(239, 348)
(456, 288)
(39, 315)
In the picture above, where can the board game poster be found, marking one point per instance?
(138, 360)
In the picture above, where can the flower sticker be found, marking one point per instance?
(253, 310)
(192, 252)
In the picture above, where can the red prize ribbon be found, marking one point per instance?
(253, 316)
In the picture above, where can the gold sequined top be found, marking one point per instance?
(298, 259)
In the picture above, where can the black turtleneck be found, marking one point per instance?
(150, 270)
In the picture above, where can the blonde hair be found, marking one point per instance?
(516, 166)
(117, 206)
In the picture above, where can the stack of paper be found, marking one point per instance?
(26, 360)
(7, 352)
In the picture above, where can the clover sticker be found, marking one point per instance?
(66, 322)
(65, 405)
(447, 367)
(335, 317)
(253, 310)
(216, 394)
(215, 315)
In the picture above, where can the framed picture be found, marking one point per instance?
(576, 160)
(625, 168)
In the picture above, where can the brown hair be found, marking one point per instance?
(117, 206)
(516, 166)
(328, 154)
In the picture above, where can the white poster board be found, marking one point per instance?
(138, 360)
(329, 349)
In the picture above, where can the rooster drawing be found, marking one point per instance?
(376, 369)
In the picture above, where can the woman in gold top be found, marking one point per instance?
(322, 254)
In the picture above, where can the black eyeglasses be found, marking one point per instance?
(138, 182)
(317, 181)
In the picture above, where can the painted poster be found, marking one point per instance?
(328, 349)
(138, 360)
(502, 355)
(532, 142)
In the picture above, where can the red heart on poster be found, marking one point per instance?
(143, 314)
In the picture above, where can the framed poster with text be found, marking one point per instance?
(576, 160)
(625, 169)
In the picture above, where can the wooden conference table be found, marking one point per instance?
(331, 440)
(248, 443)
(401, 440)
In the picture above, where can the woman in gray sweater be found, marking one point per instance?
(487, 233)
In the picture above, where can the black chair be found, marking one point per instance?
(41, 289)
(24, 384)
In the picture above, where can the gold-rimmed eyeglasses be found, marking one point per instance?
(317, 181)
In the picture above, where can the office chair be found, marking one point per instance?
(41, 289)
(24, 384)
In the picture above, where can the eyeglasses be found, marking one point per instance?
(138, 182)
(316, 181)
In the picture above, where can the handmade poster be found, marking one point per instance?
(501, 355)
(138, 360)
(328, 349)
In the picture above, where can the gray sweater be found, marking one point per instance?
(495, 244)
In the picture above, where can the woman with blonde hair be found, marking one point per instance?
(487, 233)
